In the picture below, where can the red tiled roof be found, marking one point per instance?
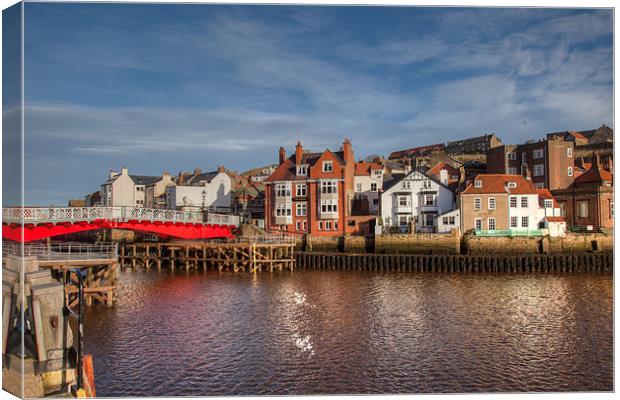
(595, 174)
(498, 183)
(363, 168)
(555, 219)
(442, 165)
(287, 170)
(577, 135)
(545, 194)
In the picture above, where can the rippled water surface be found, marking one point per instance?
(312, 332)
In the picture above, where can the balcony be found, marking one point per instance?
(404, 209)
(285, 220)
(328, 215)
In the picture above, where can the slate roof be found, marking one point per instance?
(144, 179)
(497, 183)
(205, 176)
(415, 150)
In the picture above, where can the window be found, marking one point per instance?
(583, 208)
(491, 204)
(335, 225)
(406, 184)
(301, 209)
(328, 166)
(548, 203)
(477, 203)
(302, 170)
(298, 225)
(445, 220)
(491, 224)
(403, 220)
(358, 187)
(513, 202)
(452, 220)
(540, 185)
(478, 223)
(329, 206)
(304, 225)
(512, 156)
(539, 153)
(377, 173)
(514, 222)
(283, 190)
(140, 188)
(426, 184)
(404, 201)
(375, 201)
(569, 152)
(523, 157)
(525, 222)
(320, 225)
(301, 189)
(570, 171)
(283, 210)
(429, 200)
(539, 169)
(524, 202)
(329, 187)
(512, 171)
(328, 225)
(477, 183)
(373, 187)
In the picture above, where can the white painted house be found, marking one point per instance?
(209, 190)
(123, 189)
(413, 202)
(368, 183)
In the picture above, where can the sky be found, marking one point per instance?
(174, 87)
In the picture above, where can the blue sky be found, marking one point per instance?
(174, 87)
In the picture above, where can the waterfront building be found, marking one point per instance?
(93, 199)
(475, 145)
(368, 181)
(201, 191)
(502, 202)
(312, 192)
(123, 189)
(589, 202)
(551, 162)
(411, 202)
(155, 192)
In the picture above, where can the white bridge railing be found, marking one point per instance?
(63, 251)
(36, 215)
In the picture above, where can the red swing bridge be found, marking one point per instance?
(27, 224)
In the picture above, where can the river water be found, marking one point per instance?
(313, 332)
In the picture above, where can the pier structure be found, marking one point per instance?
(99, 263)
(27, 224)
(270, 252)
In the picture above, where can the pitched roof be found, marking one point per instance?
(578, 135)
(144, 179)
(442, 165)
(545, 194)
(363, 168)
(205, 176)
(287, 170)
(595, 174)
(498, 183)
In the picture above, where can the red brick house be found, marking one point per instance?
(589, 201)
(311, 192)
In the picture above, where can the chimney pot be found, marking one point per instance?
(221, 169)
(281, 155)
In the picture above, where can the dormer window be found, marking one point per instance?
(477, 184)
(302, 170)
(328, 166)
(377, 172)
(548, 203)
(512, 184)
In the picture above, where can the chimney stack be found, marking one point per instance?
(197, 171)
(282, 155)
(221, 169)
(124, 171)
(348, 152)
(299, 152)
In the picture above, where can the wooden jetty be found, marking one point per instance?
(250, 255)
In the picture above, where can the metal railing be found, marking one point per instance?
(222, 219)
(509, 232)
(35, 215)
(63, 251)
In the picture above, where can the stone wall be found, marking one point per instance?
(324, 243)
(418, 243)
(357, 244)
(572, 243)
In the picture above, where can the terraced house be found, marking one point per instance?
(311, 192)
(510, 204)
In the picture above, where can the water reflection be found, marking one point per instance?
(330, 332)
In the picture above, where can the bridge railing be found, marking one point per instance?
(63, 251)
(35, 215)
